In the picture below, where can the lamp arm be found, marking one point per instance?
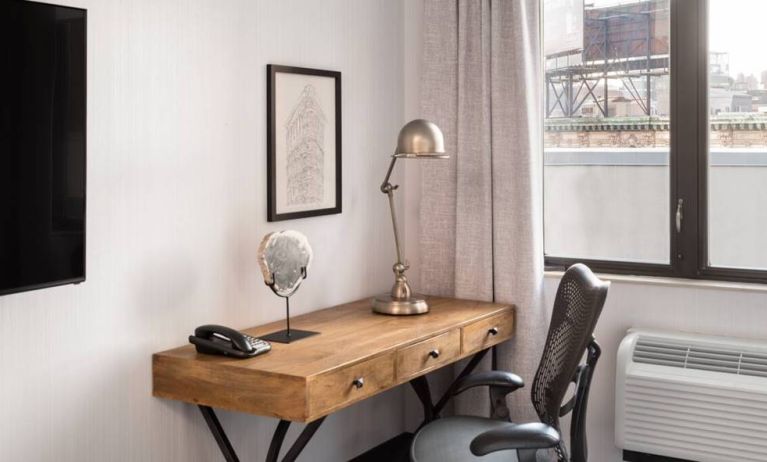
(388, 189)
(385, 186)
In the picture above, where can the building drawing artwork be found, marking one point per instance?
(305, 144)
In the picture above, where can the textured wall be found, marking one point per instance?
(176, 208)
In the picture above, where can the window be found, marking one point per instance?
(655, 137)
(737, 136)
(606, 167)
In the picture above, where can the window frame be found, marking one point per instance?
(689, 139)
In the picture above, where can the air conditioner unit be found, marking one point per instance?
(692, 397)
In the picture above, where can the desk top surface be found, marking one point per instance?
(347, 333)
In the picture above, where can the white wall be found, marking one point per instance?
(176, 208)
(690, 306)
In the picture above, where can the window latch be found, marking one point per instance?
(679, 215)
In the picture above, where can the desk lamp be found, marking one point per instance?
(418, 139)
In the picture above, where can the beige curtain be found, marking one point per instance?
(481, 230)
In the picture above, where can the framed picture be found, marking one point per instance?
(303, 142)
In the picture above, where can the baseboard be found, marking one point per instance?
(632, 456)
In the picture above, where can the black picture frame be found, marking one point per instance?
(271, 142)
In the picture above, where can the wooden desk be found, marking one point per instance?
(358, 354)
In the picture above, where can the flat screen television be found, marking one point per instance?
(42, 145)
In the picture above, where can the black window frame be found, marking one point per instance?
(689, 153)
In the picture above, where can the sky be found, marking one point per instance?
(738, 27)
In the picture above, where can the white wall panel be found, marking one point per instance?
(176, 209)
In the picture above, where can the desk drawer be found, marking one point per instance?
(428, 354)
(488, 332)
(335, 389)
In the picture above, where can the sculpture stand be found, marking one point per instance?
(287, 335)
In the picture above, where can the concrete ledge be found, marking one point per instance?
(720, 157)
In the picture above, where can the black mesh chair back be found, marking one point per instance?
(577, 306)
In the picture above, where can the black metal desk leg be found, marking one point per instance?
(302, 440)
(421, 387)
(218, 433)
(473, 362)
(274, 448)
(277, 439)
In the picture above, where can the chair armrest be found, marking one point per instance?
(528, 436)
(501, 384)
(494, 379)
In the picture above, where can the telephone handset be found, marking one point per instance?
(220, 340)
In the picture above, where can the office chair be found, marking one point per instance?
(578, 303)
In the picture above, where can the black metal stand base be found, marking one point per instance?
(288, 336)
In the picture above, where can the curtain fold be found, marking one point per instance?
(481, 211)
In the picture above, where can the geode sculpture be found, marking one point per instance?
(284, 257)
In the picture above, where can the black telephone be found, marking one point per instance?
(220, 340)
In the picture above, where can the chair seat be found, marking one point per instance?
(448, 440)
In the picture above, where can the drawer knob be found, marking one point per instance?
(493, 331)
(434, 354)
(358, 382)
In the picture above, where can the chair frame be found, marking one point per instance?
(578, 404)
(582, 380)
(528, 438)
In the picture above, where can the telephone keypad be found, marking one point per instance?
(261, 346)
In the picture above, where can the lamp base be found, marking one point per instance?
(385, 304)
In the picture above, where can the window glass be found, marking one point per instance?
(737, 160)
(606, 129)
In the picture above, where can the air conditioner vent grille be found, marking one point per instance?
(691, 396)
(698, 356)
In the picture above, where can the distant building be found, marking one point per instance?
(721, 101)
(742, 102)
(759, 100)
(746, 83)
(719, 70)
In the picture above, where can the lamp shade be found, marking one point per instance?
(421, 138)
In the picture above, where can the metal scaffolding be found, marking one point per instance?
(627, 43)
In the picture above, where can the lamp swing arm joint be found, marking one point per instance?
(388, 189)
(386, 186)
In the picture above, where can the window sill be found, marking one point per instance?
(673, 282)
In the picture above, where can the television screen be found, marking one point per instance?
(42, 145)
